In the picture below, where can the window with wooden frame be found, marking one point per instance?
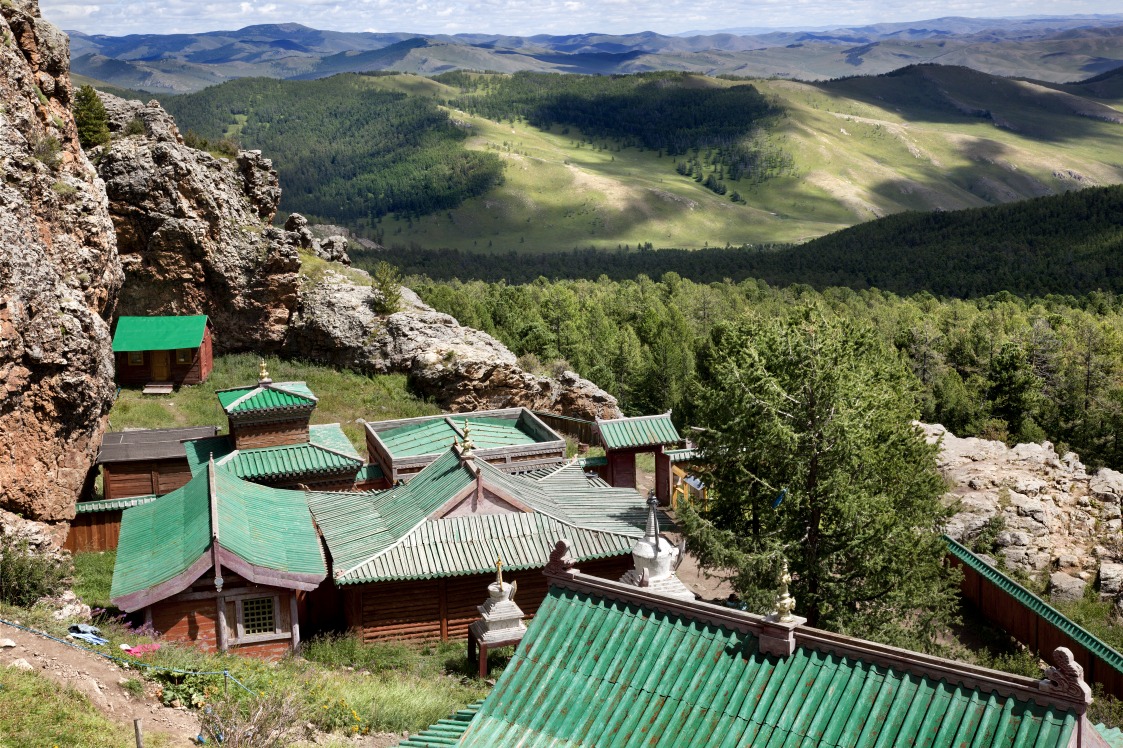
(259, 618)
(136, 358)
(184, 355)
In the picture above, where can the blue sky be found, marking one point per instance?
(525, 17)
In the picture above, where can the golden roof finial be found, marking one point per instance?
(468, 445)
(499, 571)
(785, 603)
(263, 373)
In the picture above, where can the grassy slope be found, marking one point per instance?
(857, 157)
(344, 396)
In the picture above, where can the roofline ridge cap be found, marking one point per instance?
(334, 452)
(253, 391)
(276, 387)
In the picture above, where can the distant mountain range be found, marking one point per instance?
(1054, 49)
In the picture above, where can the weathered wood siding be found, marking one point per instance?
(276, 434)
(1038, 634)
(124, 480)
(97, 531)
(622, 468)
(443, 608)
(194, 372)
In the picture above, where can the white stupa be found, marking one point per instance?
(656, 560)
(501, 619)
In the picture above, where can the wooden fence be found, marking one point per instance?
(578, 428)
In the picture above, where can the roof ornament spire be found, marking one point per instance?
(263, 374)
(499, 570)
(655, 559)
(651, 534)
(467, 454)
(785, 603)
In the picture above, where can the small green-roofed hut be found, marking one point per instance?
(220, 562)
(612, 666)
(163, 350)
(624, 438)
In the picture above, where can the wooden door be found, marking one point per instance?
(160, 366)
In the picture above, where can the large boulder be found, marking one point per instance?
(1065, 588)
(193, 230)
(59, 277)
(339, 322)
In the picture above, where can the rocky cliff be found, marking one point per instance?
(194, 238)
(59, 277)
(193, 230)
(1035, 511)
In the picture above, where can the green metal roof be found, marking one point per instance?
(593, 671)
(446, 732)
(1113, 736)
(288, 461)
(436, 435)
(273, 396)
(331, 436)
(1077, 633)
(265, 527)
(387, 534)
(158, 333)
(109, 505)
(470, 545)
(199, 451)
(642, 431)
(594, 461)
(682, 455)
(371, 471)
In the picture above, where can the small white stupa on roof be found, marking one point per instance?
(656, 560)
(501, 619)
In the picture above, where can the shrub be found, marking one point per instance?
(135, 127)
(269, 721)
(26, 576)
(48, 150)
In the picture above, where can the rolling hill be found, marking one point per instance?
(1053, 49)
(924, 138)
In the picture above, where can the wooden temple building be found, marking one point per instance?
(612, 665)
(163, 352)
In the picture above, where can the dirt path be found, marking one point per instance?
(100, 680)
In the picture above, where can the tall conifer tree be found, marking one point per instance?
(813, 457)
(90, 116)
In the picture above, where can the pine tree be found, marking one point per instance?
(90, 117)
(388, 288)
(814, 458)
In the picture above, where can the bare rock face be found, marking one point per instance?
(1050, 515)
(193, 230)
(59, 277)
(459, 367)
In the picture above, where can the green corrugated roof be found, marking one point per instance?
(595, 461)
(266, 527)
(288, 461)
(642, 431)
(158, 333)
(598, 672)
(331, 436)
(274, 396)
(436, 435)
(1077, 633)
(470, 545)
(371, 471)
(109, 505)
(199, 451)
(361, 528)
(443, 733)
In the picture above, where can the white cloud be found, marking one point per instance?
(119, 17)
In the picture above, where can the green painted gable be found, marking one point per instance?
(158, 333)
(594, 671)
(644, 431)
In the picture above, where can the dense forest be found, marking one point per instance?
(1061, 244)
(673, 113)
(351, 151)
(999, 366)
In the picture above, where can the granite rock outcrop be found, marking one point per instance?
(193, 229)
(59, 277)
(1036, 511)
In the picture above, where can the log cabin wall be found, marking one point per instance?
(272, 434)
(124, 480)
(193, 371)
(1037, 633)
(191, 617)
(96, 531)
(443, 608)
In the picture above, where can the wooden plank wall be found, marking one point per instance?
(124, 480)
(1039, 635)
(581, 430)
(191, 373)
(275, 434)
(622, 468)
(443, 608)
(97, 531)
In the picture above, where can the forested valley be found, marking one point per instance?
(1000, 366)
